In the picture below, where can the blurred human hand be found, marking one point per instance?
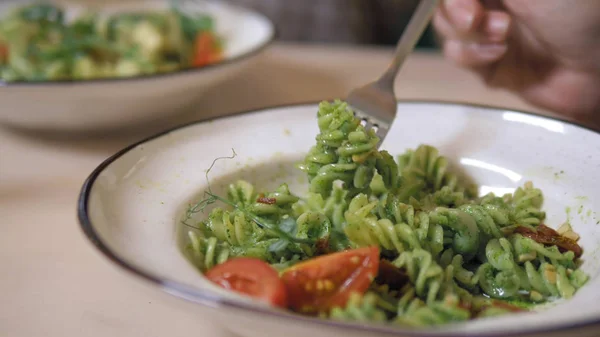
(546, 51)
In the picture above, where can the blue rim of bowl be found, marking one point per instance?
(210, 299)
(184, 71)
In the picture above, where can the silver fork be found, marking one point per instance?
(375, 103)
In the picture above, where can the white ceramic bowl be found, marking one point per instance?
(130, 205)
(103, 104)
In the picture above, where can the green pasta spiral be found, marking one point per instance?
(272, 205)
(232, 227)
(425, 171)
(206, 253)
(445, 197)
(346, 152)
(429, 235)
(523, 207)
(241, 193)
(454, 266)
(238, 233)
(498, 277)
(342, 152)
(425, 274)
(523, 265)
(486, 223)
(526, 249)
(412, 311)
(527, 202)
(365, 228)
(333, 207)
(361, 309)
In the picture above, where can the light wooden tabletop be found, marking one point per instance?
(54, 283)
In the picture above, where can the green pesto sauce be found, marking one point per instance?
(523, 303)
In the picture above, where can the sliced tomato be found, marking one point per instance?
(325, 282)
(205, 50)
(3, 53)
(252, 277)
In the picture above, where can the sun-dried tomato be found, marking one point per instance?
(391, 275)
(265, 200)
(548, 236)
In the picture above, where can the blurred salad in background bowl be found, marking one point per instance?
(38, 42)
(105, 66)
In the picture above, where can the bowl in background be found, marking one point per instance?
(102, 104)
(131, 206)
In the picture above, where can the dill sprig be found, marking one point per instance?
(211, 198)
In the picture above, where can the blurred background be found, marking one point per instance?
(377, 22)
(364, 22)
(46, 41)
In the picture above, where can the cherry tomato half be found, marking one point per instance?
(252, 277)
(3, 53)
(327, 281)
(205, 50)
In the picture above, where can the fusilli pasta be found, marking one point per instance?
(456, 256)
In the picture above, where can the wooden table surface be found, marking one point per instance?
(54, 283)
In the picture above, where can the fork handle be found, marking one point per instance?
(408, 40)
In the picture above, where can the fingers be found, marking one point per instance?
(495, 27)
(473, 36)
(473, 54)
(458, 18)
(468, 20)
